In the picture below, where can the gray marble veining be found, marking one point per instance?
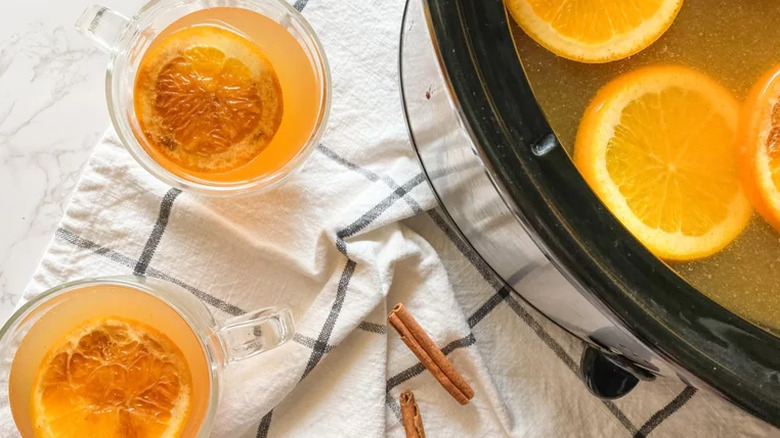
(52, 111)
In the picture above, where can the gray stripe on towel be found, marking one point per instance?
(666, 412)
(157, 232)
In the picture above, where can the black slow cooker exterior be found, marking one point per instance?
(583, 239)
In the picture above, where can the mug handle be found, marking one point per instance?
(255, 332)
(101, 25)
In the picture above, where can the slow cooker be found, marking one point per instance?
(512, 192)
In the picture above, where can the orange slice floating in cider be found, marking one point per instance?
(111, 377)
(759, 155)
(207, 99)
(594, 30)
(658, 146)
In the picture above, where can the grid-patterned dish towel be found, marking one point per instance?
(341, 242)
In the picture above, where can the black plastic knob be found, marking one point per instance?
(603, 377)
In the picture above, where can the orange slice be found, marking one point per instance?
(658, 146)
(207, 99)
(594, 31)
(111, 377)
(759, 152)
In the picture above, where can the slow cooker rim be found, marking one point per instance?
(455, 24)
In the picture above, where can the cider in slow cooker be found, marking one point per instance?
(712, 55)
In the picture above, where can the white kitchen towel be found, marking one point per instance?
(351, 234)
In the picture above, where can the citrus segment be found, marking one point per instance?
(207, 99)
(760, 146)
(658, 146)
(112, 377)
(594, 30)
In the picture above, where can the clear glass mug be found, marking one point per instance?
(126, 41)
(177, 313)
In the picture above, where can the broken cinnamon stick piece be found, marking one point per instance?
(410, 416)
(415, 337)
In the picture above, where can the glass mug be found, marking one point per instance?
(281, 34)
(207, 346)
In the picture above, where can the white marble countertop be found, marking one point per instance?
(52, 111)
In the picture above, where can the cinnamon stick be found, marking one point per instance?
(415, 337)
(410, 416)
